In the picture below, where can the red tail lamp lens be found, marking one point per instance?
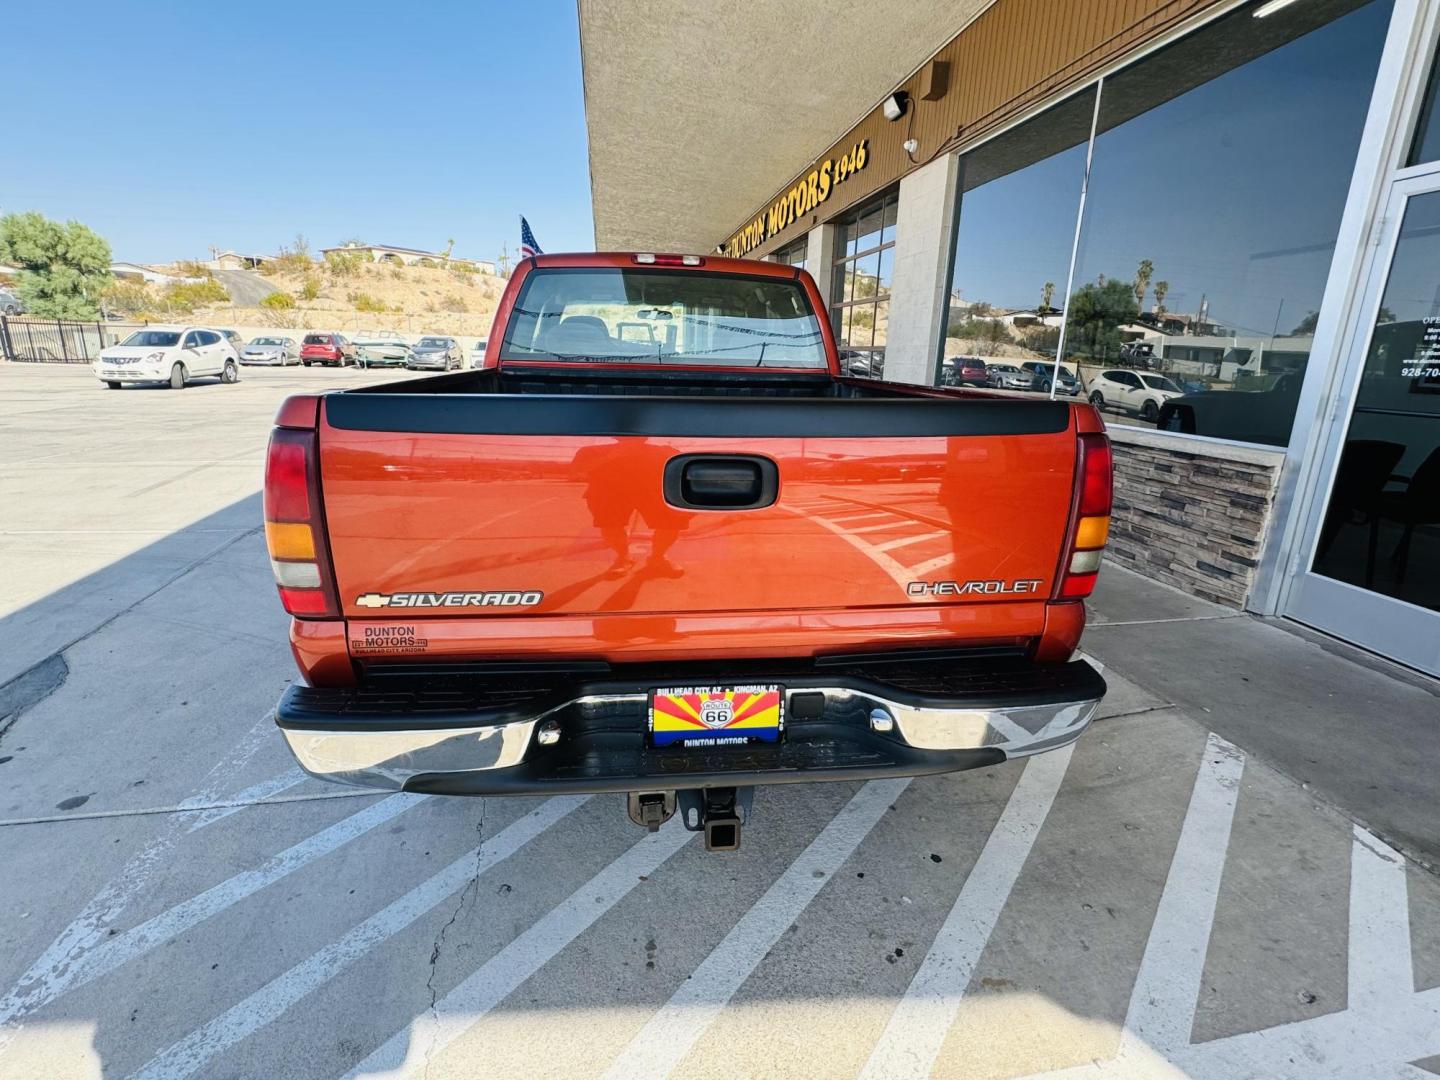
(1098, 486)
(287, 476)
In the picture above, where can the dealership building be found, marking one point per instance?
(1219, 221)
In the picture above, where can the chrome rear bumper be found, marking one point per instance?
(595, 735)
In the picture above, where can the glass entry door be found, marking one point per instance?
(1374, 573)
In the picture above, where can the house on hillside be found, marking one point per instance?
(407, 256)
(235, 260)
(138, 272)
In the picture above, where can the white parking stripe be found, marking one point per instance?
(906, 541)
(877, 528)
(94, 921)
(1380, 961)
(463, 1007)
(255, 793)
(668, 1036)
(898, 573)
(193, 1052)
(932, 564)
(860, 516)
(912, 1039)
(1167, 987)
(112, 952)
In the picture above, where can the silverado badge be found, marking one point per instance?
(529, 598)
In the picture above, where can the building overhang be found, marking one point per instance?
(698, 113)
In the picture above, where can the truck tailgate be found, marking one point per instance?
(465, 509)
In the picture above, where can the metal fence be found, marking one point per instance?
(57, 341)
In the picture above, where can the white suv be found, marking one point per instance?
(166, 354)
(1134, 392)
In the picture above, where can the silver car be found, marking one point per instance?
(275, 351)
(10, 303)
(436, 354)
(1006, 376)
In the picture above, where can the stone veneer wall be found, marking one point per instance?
(1189, 513)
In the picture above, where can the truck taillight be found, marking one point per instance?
(294, 530)
(1095, 477)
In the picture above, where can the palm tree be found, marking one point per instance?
(1143, 273)
(1161, 288)
(449, 246)
(1047, 293)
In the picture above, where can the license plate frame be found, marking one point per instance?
(717, 715)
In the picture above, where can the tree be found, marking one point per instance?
(1143, 273)
(353, 241)
(1047, 293)
(1306, 325)
(1096, 312)
(63, 268)
(449, 247)
(1161, 288)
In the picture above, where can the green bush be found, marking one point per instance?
(429, 264)
(278, 301)
(366, 302)
(991, 331)
(345, 265)
(127, 297)
(184, 297)
(454, 303)
(191, 268)
(310, 288)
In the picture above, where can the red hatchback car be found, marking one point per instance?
(972, 371)
(327, 349)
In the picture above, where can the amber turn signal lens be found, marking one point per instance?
(287, 540)
(1092, 533)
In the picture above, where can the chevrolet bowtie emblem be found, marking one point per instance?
(372, 599)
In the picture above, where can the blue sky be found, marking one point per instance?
(169, 127)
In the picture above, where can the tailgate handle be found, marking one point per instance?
(721, 481)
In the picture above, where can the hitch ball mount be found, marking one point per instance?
(717, 812)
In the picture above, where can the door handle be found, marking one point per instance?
(721, 481)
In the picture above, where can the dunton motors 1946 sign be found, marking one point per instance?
(808, 192)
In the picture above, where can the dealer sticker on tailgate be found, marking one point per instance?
(715, 715)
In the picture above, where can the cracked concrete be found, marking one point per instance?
(31, 687)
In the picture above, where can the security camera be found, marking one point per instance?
(895, 105)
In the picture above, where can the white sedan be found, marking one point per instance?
(173, 355)
(477, 353)
(1134, 392)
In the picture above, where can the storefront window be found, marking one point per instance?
(1220, 171)
(1427, 133)
(1019, 194)
(860, 286)
(793, 254)
(1380, 528)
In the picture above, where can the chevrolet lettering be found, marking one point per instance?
(973, 588)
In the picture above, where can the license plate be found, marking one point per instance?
(716, 715)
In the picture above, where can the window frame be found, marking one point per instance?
(844, 263)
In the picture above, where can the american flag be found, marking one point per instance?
(528, 247)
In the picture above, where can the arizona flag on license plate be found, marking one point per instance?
(711, 715)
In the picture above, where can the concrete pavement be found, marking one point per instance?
(180, 901)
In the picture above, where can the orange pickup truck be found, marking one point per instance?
(658, 545)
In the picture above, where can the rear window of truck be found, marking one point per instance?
(617, 315)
